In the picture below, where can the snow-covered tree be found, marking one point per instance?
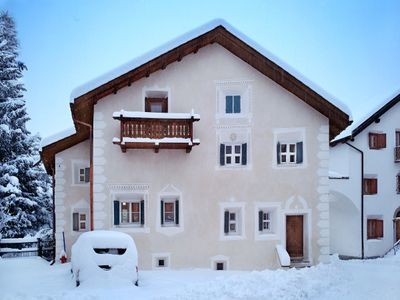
(25, 188)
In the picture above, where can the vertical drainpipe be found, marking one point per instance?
(90, 171)
(362, 197)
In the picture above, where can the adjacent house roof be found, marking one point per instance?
(218, 31)
(354, 129)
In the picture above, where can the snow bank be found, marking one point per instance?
(150, 115)
(283, 256)
(85, 261)
(133, 64)
(56, 137)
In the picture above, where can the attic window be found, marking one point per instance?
(377, 140)
(156, 101)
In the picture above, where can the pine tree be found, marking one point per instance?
(25, 205)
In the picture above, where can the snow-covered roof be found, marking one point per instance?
(56, 137)
(349, 131)
(149, 115)
(137, 62)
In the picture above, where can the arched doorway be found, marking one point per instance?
(396, 221)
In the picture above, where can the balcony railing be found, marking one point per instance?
(397, 154)
(144, 130)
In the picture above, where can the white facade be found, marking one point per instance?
(346, 189)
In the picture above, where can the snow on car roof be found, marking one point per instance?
(133, 64)
(107, 239)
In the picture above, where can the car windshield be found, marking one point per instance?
(114, 251)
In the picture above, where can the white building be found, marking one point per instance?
(365, 184)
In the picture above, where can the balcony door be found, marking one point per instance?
(157, 105)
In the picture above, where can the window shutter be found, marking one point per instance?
(116, 212)
(222, 154)
(75, 221)
(142, 212)
(177, 212)
(236, 105)
(379, 229)
(299, 152)
(226, 221)
(162, 212)
(228, 104)
(87, 174)
(244, 154)
(374, 186)
(382, 140)
(371, 137)
(278, 153)
(370, 229)
(260, 220)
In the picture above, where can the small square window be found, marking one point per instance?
(161, 263)
(220, 266)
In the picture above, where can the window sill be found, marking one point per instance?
(80, 184)
(132, 229)
(266, 236)
(233, 167)
(289, 166)
(377, 240)
(232, 237)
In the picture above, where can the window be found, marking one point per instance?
(79, 221)
(220, 266)
(158, 105)
(169, 212)
(129, 212)
(377, 140)
(398, 183)
(233, 154)
(397, 138)
(232, 104)
(161, 260)
(82, 175)
(289, 153)
(370, 186)
(374, 229)
(264, 221)
(161, 263)
(232, 222)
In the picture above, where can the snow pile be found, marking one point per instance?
(85, 261)
(152, 115)
(283, 256)
(279, 284)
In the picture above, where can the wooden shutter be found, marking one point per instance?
(142, 212)
(177, 212)
(382, 140)
(244, 154)
(226, 221)
(379, 229)
(75, 221)
(374, 185)
(299, 152)
(372, 140)
(162, 213)
(398, 184)
(228, 104)
(278, 153)
(116, 212)
(374, 229)
(370, 186)
(260, 220)
(222, 154)
(87, 174)
(236, 104)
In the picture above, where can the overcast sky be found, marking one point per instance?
(349, 48)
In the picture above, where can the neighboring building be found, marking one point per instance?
(365, 168)
(219, 191)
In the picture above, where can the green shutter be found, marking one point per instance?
(228, 104)
(299, 152)
(162, 213)
(260, 220)
(87, 174)
(142, 212)
(116, 212)
(222, 154)
(278, 153)
(236, 106)
(75, 221)
(226, 221)
(177, 212)
(244, 154)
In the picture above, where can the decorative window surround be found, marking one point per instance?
(170, 193)
(274, 209)
(233, 137)
(239, 208)
(81, 208)
(161, 256)
(76, 166)
(129, 193)
(240, 88)
(219, 259)
(289, 136)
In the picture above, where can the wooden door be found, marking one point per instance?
(397, 229)
(294, 236)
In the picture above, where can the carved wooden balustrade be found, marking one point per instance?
(156, 131)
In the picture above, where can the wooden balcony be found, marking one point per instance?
(146, 130)
(397, 154)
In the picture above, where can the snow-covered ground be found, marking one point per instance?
(33, 278)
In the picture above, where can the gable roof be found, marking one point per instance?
(84, 98)
(357, 127)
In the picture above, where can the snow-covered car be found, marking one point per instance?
(104, 254)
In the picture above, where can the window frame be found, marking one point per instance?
(77, 165)
(398, 183)
(233, 155)
(239, 209)
(79, 221)
(176, 219)
(234, 109)
(376, 140)
(130, 223)
(370, 186)
(149, 101)
(375, 228)
(287, 154)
